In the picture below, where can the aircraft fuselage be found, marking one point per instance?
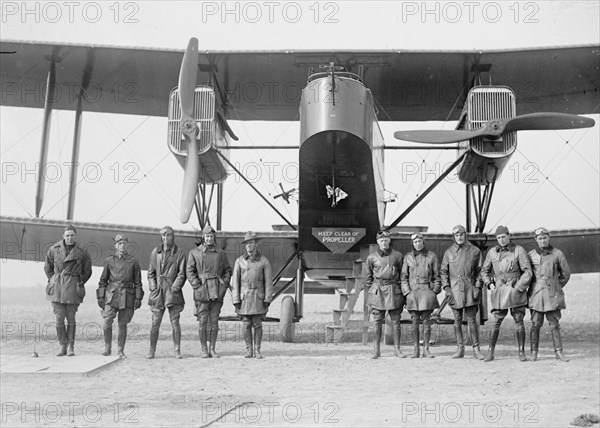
(341, 147)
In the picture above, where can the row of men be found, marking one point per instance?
(517, 280)
(120, 292)
(392, 281)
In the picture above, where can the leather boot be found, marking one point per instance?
(474, 333)
(534, 338)
(415, 335)
(70, 340)
(558, 349)
(397, 336)
(177, 342)
(121, 340)
(204, 348)
(214, 333)
(376, 341)
(521, 342)
(258, 334)
(426, 339)
(154, 332)
(107, 341)
(460, 342)
(61, 333)
(493, 339)
(248, 340)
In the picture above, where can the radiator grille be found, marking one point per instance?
(204, 113)
(487, 103)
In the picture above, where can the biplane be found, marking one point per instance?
(341, 152)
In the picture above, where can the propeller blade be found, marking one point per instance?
(497, 127)
(191, 176)
(187, 78)
(542, 121)
(187, 85)
(437, 136)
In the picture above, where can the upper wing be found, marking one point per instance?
(406, 85)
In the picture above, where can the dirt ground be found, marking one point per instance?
(306, 383)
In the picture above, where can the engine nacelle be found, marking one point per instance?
(487, 157)
(210, 134)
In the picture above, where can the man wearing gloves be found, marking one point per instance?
(208, 272)
(119, 292)
(460, 270)
(546, 297)
(420, 285)
(382, 284)
(252, 292)
(68, 267)
(166, 277)
(509, 284)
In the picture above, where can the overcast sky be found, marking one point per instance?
(547, 182)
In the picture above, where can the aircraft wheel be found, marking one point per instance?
(287, 327)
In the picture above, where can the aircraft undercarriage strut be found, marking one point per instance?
(256, 190)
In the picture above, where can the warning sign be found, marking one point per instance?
(338, 240)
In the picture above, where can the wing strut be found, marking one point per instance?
(255, 189)
(48, 104)
(481, 204)
(426, 192)
(85, 81)
(219, 205)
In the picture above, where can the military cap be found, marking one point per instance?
(459, 228)
(502, 230)
(250, 236)
(208, 229)
(541, 231)
(69, 226)
(383, 234)
(121, 237)
(166, 229)
(416, 235)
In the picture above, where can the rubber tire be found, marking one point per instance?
(287, 327)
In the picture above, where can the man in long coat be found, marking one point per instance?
(460, 271)
(382, 281)
(420, 286)
(252, 292)
(166, 277)
(68, 267)
(208, 272)
(119, 293)
(551, 273)
(509, 284)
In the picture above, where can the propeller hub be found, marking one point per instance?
(188, 126)
(495, 127)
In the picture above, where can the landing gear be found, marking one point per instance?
(287, 327)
